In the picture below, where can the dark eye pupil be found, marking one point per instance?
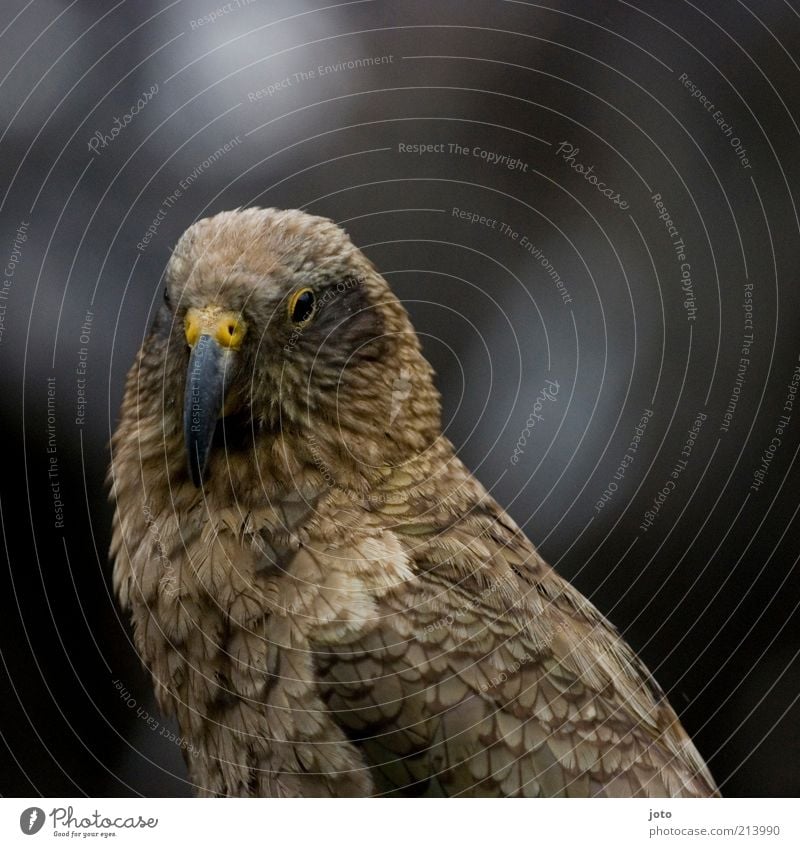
(303, 307)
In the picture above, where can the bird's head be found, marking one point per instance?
(275, 322)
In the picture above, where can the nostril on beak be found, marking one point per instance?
(230, 330)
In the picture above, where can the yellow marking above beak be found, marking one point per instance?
(226, 328)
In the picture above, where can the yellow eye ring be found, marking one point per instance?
(301, 306)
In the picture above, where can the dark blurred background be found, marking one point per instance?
(124, 122)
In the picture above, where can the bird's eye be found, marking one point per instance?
(167, 298)
(301, 305)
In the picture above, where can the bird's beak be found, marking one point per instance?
(214, 336)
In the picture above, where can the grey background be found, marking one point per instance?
(708, 594)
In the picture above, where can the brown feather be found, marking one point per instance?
(343, 610)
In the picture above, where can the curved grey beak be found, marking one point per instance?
(206, 381)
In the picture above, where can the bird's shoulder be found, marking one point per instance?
(482, 671)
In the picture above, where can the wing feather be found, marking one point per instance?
(486, 674)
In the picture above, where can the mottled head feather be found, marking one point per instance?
(355, 367)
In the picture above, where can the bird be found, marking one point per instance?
(327, 601)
